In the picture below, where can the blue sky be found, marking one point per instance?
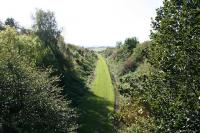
(89, 22)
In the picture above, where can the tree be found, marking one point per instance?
(1, 26)
(31, 101)
(46, 28)
(119, 44)
(136, 58)
(175, 53)
(11, 22)
(130, 43)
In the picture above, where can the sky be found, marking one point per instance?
(89, 23)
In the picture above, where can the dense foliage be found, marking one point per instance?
(175, 55)
(75, 64)
(159, 87)
(132, 115)
(44, 81)
(41, 77)
(30, 99)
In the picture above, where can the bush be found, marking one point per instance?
(31, 101)
(137, 58)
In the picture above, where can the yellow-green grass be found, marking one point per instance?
(99, 103)
(102, 85)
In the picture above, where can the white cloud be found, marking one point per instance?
(89, 22)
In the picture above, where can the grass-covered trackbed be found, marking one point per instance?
(99, 103)
(102, 85)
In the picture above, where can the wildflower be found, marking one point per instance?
(140, 111)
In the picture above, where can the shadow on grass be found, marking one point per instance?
(93, 110)
(95, 113)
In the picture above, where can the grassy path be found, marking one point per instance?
(102, 85)
(99, 102)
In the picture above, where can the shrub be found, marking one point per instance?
(31, 101)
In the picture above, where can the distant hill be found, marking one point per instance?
(101, 48)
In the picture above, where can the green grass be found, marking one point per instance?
(99, 102)
(102, 85)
